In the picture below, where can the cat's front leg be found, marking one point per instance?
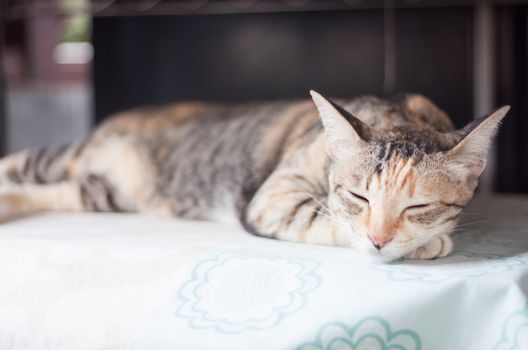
(288, 207)
(438, 247)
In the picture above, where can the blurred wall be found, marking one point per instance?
(46, 89)
(47, 115)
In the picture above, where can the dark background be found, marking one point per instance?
(155, 52)
(282, 55)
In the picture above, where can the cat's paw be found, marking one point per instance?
(438, 247)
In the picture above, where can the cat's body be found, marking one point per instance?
(265, 164)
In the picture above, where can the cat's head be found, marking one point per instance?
(392, 190)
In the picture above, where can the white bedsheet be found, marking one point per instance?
(108, 281)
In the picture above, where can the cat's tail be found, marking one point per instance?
(42, 165)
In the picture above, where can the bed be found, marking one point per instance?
(124, 281)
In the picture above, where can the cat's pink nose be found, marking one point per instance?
(379, 240)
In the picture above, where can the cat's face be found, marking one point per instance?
(391, 191)
(394, 205)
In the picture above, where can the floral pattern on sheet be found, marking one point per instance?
(460, 264)
(235, 292)
(371, 333)
(514, 332)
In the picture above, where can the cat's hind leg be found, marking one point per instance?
(109, 171)
(40, 166)
(23, 200)
(36, 180)
(91, 193)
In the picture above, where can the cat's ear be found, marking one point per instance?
(343, 130)
(469, 155)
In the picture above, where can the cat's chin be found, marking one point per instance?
(379, 256)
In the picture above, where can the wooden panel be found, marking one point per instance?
(512, 170)
(145, 60)
(235, 57)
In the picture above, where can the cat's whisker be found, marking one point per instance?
(337, 223)
(418, 242)
(318, 201)
(414, 243)
(352, 234)
(471, 213)
(465, 227)
(464, 224)
(333, 218)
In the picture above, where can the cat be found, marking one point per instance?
(387, 177)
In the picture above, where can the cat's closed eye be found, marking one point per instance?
(360, 198)
(418, 206)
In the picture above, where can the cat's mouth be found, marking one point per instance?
(385, 254)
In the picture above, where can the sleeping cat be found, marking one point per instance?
(386, 177)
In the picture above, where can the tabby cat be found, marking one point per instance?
(386, 177)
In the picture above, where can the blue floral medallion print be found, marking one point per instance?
(371, 333)
(514, 332)
(460, 264)
(235, 292)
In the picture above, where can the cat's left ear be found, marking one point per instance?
(344, 132)
(471, 152)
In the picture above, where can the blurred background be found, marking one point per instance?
(65, 65)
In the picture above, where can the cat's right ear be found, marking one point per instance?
(344, 132)
(469, 155)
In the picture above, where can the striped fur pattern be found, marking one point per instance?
(386, 177)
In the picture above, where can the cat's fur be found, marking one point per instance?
(387, 177)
